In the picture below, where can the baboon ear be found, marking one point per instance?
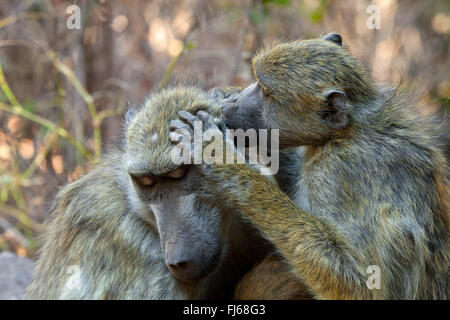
(333, 37)
(335, 112)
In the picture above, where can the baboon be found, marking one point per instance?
(372, 190)
(135, 228)
(271, 279)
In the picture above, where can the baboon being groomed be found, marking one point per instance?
(135, 227)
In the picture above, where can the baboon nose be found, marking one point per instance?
(179, 266)
(182, 269)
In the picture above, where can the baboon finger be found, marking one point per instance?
(215, 94)
(207, 119)
(178, 124)
(175, 137)
(188, 117)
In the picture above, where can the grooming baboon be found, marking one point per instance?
(372, 190)
(271, 279)
(116, 232)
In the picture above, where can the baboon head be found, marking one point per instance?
(306, 89)
(166, 194)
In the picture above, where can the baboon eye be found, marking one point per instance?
(178, 173)
(144, 181)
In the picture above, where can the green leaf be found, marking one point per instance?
(254, 16)
(283, 3)
(190, 45)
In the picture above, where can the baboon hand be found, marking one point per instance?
(220, 95)
(207, 120)
(190, 131)
(184, 126)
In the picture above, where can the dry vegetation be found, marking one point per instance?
(63, 91)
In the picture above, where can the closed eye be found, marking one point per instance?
(264, 92)
(144, 181)
(178, 173)
(148, 181)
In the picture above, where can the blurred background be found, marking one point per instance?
(63, 90)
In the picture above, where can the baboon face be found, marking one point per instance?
(244, 110)
(303, 88)
(254, 108)
(191, 231)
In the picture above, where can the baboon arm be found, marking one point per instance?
(319, 254)
(271, 279)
